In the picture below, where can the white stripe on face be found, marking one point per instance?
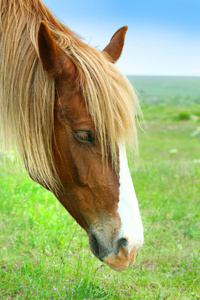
(128, 209)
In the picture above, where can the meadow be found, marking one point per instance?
(44, 254)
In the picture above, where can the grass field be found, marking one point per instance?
(44, 254)
(167, 90)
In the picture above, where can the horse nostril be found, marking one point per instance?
(100, 249)
(123, 242)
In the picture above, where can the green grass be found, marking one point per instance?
(167, 90)
(44, 254)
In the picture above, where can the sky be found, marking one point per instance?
(163, 36)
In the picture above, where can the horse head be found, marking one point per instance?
(96, 189)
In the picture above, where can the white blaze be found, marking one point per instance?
(128, 209)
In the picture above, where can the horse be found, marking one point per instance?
(69, 113)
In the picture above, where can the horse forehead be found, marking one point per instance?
(70, 104)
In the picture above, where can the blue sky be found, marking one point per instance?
(163, 36)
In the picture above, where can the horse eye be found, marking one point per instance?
(85, 136)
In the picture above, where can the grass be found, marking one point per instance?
(44, 254)
(167, 90)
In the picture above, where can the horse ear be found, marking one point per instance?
(54, 59)
(114, 48)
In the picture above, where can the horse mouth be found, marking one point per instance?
(117, 258)
(120, 262)
(96, 249)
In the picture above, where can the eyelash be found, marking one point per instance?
(84, 136)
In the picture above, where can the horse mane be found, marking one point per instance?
(27, 94)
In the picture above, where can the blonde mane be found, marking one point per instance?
(27, 94)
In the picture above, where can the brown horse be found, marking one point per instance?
(69, 112)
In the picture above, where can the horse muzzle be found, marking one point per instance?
(118, 255)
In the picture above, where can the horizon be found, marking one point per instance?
(164, 75)
(163, 38)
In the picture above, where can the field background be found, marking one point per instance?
(45, 255)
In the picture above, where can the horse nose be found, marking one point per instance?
(102, 249)
(98, 246)
(123, 243)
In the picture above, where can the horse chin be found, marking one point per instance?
(121, 261)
